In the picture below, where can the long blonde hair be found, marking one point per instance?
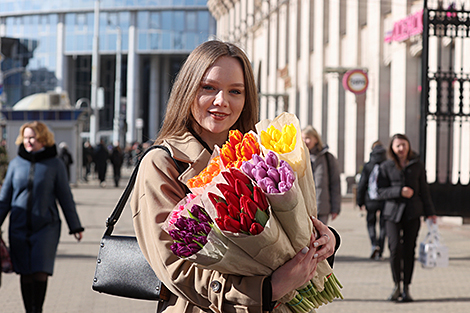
(312, 132)
(43, 134)
(178, 117)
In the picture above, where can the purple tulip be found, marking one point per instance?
(274, 174)
(262, 165)
(272, 189)
(202, 240)
(193, 248)
(265, 182)
(259, 173)
(256, 159)
(272, 159)
(180, 250)
(284, 186)
(247, 168)
(206, 228)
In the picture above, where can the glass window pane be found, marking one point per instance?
(178, 21)
(203, 20)
(143, 20)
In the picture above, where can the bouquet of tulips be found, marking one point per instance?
(197, 239)
(258, 190)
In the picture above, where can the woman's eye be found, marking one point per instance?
(207, 87)
(237, 92)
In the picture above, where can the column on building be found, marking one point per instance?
(353, 104)
(304, 61)
(318, 63)
(332, 59)
(154, 97)
(398, 96)
(60, 71)
(293, 54)
(132, 77)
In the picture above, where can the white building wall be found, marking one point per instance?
(345, 34)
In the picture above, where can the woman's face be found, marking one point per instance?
(29, 140)
(401, 147)
(220, 99)
(310, 141)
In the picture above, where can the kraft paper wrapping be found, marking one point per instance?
(289, 208)
(222, 255)
(299, 160)
(271, 247)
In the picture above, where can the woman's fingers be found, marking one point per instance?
(325, 242)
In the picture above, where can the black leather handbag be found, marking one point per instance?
(121, 268)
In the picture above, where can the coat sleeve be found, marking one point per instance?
(65, 197)
(156, 193)
(335, 184)
(388, 187)
(6, 193)
(362, 186)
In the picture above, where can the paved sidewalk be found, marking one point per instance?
(366, 283)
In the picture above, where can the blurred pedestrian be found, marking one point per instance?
(367, 197)
(325, 174)
(87, 159)
(36, 179)
(66, 157)
(100, 159)
(402, 184)
(117, 159)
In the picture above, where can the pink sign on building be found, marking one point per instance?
(405, 28)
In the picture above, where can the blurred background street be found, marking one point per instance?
(367, 283)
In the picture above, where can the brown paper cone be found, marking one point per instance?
(222, 255)
(289, 208)
(271, 247)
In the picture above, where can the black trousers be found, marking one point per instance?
(376, 241)
(402, 238)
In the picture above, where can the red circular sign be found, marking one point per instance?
(355, 81)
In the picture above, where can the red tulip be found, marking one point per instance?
(239, 175)
(256, 228)
(232, 199)
(233, 211)
(229, 178)
(215, 198)
(245, 222)
(242, 189)
(225, 187)
(222, 209)
(232, 225)
(260, 198)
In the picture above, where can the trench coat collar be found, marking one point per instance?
(187, 149)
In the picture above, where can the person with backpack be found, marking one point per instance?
(367, 194)
(325, 170)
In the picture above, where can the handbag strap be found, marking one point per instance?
(116, 214)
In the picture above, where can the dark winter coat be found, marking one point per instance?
(392, 180)
(35, 229)
(377, 156)
(327, 181)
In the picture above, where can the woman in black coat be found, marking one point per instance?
(402, 184)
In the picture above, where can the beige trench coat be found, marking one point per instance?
(157, 190)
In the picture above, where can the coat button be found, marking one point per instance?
(216, 286)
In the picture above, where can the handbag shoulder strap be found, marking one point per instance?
(116, 214)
